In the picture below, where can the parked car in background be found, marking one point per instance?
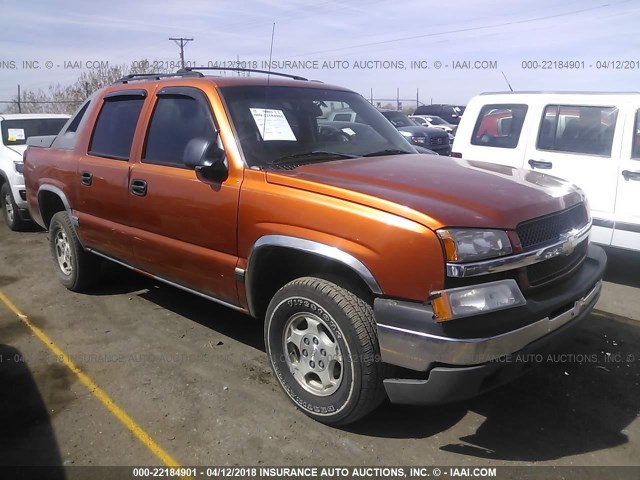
(354, 132)
(590, 139)
(432, 138)
(449, 113)
(14, 130)
(435, 122)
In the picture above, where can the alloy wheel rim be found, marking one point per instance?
(63, 252)
(8, 206)
(312, 354)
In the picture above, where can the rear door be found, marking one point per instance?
(185, 226)
(103, 175)
(581, 143)
(627, 209)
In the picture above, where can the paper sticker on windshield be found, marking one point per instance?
(348, 131)
(272, 124)
(14, 134)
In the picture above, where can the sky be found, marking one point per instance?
(383, 38)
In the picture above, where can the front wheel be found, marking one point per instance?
(322, 343)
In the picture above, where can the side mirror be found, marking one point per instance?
(206, 158)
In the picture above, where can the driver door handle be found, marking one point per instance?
(541, 164)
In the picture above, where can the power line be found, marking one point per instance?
(181, 42)
(464, 30)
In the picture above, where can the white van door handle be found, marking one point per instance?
(541, 164)
(629, 175)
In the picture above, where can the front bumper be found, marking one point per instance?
(460, 368)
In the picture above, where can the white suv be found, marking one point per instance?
(590, 139)
(14, 131)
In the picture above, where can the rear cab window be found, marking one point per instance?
(499, 125)
(578, 129)
(116, 124)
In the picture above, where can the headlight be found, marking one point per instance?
(463, 245)
(420, 140)
(19, 166)
(404, 134)
(475, 300)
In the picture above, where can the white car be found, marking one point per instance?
(14, 131)
(435, 122)
(590, 139)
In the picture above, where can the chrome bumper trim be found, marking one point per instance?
(564, 247)
(419, 350)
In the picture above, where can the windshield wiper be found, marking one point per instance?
(310, 156)
(389, 151)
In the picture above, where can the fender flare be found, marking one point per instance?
(63, 198)
(311, 247)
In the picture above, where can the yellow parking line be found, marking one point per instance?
(97, 392)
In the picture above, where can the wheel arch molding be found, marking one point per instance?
(303, 257)
(45, 194)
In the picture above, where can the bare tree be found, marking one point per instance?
(67, 98)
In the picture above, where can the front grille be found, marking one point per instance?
(533, 233)
(556, 268)
(549, 228)
(437, 140)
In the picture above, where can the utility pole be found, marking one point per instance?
(181, 42)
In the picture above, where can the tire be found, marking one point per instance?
(10, 210)
(76, 268)
(322, 344)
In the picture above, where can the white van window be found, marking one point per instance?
(578, 129)
(635, 150)
(499, 126)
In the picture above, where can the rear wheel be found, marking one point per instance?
(76, 268)
(322, 343)
(10, 210)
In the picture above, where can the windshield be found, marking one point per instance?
(290, 124)
(16, 132)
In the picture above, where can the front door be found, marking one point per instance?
(185, 226)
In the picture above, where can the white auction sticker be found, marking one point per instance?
(14, 134)
(272, 124)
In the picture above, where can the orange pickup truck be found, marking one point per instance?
(379, 272)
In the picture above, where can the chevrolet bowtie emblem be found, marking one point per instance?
(569, 242)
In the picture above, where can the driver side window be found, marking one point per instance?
(175, 121)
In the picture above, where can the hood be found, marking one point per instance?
(437, 191)
(17, 149)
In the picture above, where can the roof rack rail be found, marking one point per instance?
(132, 77)
(195, 69)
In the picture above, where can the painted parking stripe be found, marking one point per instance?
(95, 390)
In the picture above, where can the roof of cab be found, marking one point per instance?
(223, 81)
